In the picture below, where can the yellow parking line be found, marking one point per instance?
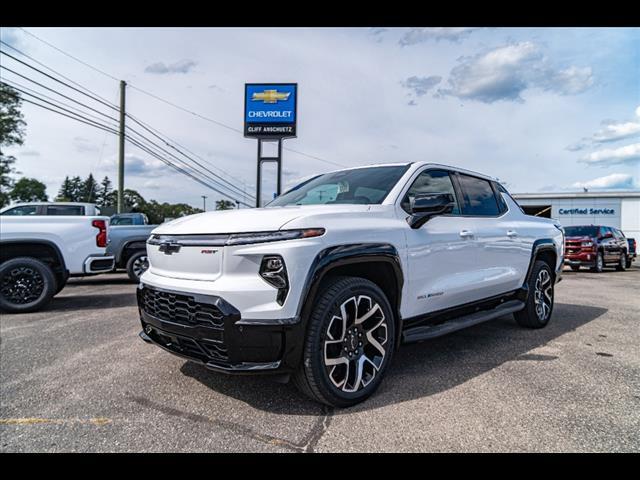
(99, 421)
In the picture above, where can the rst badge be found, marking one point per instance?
(270, 110)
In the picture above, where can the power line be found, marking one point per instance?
(54, 71)
(56, 92)
(59, 81)
(69, 55)
(216, 122)
(30, 91)
(132, 141)
(239, 192)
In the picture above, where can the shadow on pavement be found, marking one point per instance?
(92, 302)
(418, 370)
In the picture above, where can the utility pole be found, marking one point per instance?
(123, 84)
(204, 203)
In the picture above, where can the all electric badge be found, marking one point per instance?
(270, 110)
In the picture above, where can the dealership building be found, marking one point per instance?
(619, 209)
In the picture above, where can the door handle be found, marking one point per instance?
(466, 233)
(512, 233)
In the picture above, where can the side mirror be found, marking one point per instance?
(426, 206)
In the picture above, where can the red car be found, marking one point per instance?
(595, 247)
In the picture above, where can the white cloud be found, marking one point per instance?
(629, 154)
(638, 111)
(505, 72)
(424, 34)
(613, 181)
(616, 131)
(181, 66)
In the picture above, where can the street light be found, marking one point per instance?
(204, 203)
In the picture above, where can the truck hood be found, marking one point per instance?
(250, 220)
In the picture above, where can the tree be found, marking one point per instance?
(76, 189)
(225, 205)
(133, 201)
(89, 190)
(159, 212)
(11, 119)
(11, 133)
(6, 182)
(104, 190)
(66, 191)
(29, 190)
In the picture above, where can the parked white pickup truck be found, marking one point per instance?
(38, 253)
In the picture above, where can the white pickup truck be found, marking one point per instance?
(38, 253)
(325, 282)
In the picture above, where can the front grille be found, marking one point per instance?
(181, 309)
(204, 350)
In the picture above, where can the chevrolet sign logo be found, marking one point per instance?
(270, 96)
(168, 248)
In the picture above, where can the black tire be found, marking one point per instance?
(137, 265)
(318, 380)
(599, 265)
(575, 268)
(26, 285)
(534, 314)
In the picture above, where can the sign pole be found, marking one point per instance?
(259, 179)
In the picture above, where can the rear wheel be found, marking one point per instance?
(26, 285)
(349, 343)
(539, 305)
(137, 265)
(624, 262)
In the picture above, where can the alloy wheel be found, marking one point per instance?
(543, 294)
(22, 285)
(355, 345)
(140, 265)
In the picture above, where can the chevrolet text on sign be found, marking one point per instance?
(270, 110)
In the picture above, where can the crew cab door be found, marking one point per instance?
(609, 244)
(502, 260)
(440, 253)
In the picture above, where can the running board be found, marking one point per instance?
(431, 331)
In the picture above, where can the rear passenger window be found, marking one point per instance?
(479, 199)
(65, 210)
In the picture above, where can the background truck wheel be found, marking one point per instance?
(539, 306)
(349, 342)
(575, 268)
(137, 265)
(599, 265)
(26, 285)
(623, 264)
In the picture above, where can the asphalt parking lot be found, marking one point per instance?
(76, 377)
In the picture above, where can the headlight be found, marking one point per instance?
(587, 244)
(274, 272)
(259, 237)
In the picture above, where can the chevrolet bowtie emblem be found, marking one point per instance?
(270, 96)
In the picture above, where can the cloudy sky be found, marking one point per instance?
(541, 109)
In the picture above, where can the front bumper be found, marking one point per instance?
(208, 330)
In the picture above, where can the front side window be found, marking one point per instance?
(364, 186)
(479, 199)
(65, 210)
(429, 182)
(24, 210)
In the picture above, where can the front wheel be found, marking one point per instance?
(137, 265)
(349, 343)
(539, 305)
(26, 285)
(599, 265)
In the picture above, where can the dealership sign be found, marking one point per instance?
(270, 110)
(587, 211)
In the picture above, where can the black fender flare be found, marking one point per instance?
(348, 254)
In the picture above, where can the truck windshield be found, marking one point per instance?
(358, 186)
(587, 231)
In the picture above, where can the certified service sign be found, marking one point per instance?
(270, 110)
